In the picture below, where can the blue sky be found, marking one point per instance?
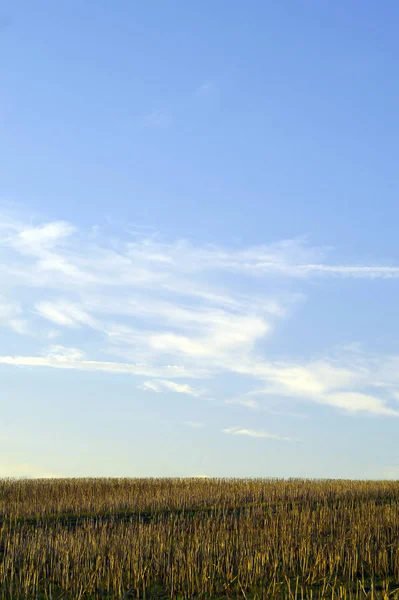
(199, 261)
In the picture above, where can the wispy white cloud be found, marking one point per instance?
(194, 424)
(256, 433)
(351, 383)
(172, 310)
(162, 385)
(150, 386)
(37, 239)
(358, 402)
(65, 313)
(70, 358)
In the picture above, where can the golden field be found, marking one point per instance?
(198, 538)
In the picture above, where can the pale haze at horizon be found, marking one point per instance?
(199, 260)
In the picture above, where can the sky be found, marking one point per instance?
(199, 255)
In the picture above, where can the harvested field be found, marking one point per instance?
(198, 538)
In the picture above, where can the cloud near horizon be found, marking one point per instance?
(139, 305)
(256, 434)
